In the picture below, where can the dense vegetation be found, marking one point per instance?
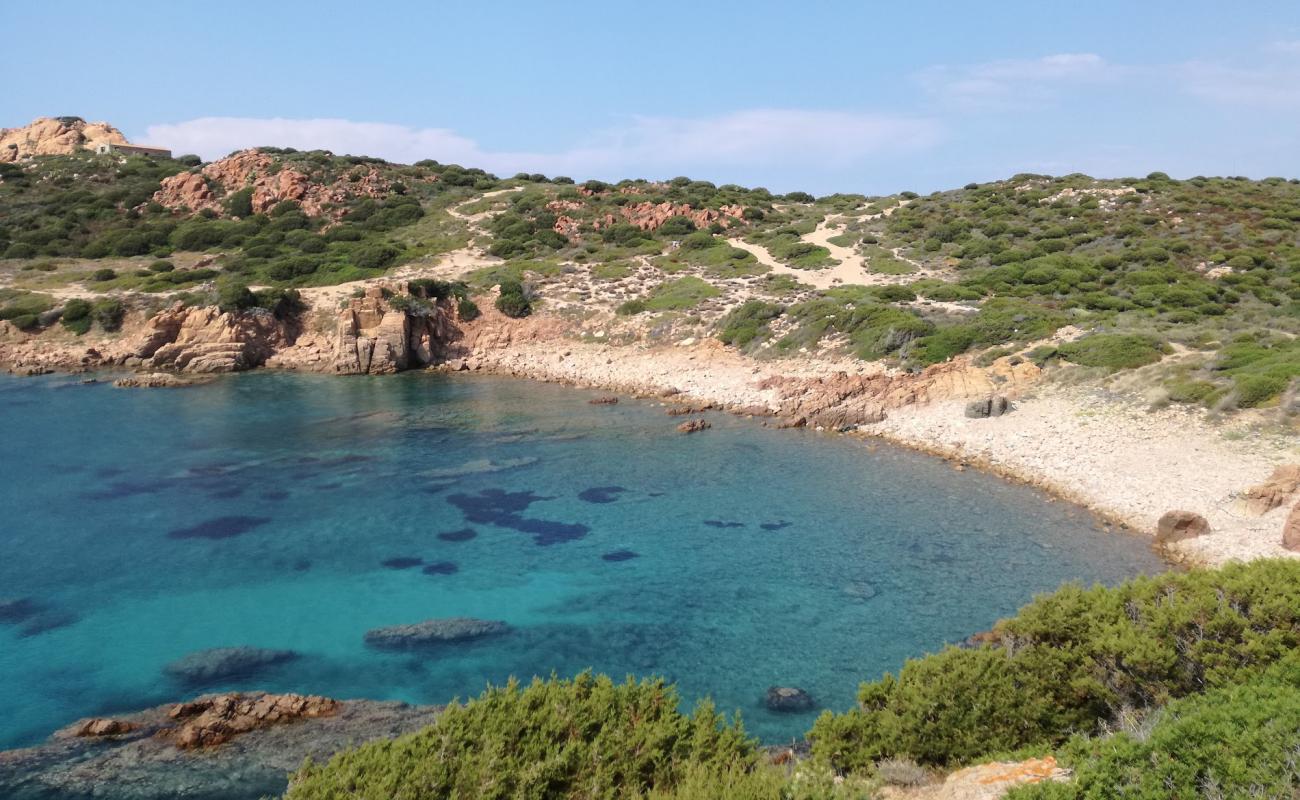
(1178, 685)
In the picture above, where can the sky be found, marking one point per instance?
(870, 97)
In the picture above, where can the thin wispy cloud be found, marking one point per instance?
(1016, 82)
(811, 139)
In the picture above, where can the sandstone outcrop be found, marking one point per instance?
(1175, 526)
(225, 663)
(208, 340)
(434, 631)
(102, 726)
(1275, 492)
(55, 136)
(375, 338)
(206, 189)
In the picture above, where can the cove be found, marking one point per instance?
(292, 514)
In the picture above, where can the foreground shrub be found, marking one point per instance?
(1233, 742)
(76, 316)
(513, 300)
(1072, 660)
(580, 738)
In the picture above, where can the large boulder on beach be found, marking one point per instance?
(225, 663)
(434, 631)
(1291, 530)
(1176, 526)
(994, 406)
(788, 699)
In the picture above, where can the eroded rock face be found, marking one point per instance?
(1275, 492)
(208, 340)
(50, 136)
(143, 761)
(1175, 526)
(434, 631)
(225, 663)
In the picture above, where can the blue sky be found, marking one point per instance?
(820, 96)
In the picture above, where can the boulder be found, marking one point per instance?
(1175, 526)
(694, 426)
(1291, 530)
(788, 699)
(1275, 492)
(102, 726)
(432, 632)
(225, 663)
(994, 406)
(607, 400)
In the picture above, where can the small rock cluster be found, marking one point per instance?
(208, 722)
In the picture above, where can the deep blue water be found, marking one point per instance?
(142, 525)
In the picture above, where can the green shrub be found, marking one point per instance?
(233, 296)
(76, 316)
(747, 322)
(108, 313)
(467, 310)
(680, 294)
(631, 307)
(102, 275)
(1238, 741)
(584, 738)
(1115, 351)
(1072, 660)
(513, 300)
(240, 203)
(1255, 390)
(162, 266)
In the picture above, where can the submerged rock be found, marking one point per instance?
(788, 699)
(619, 555)
(607, 400)
(225, 663)
(601, 494)
(694, 426)
(1175, 526)
(434, 631)
(265, 738)
(219, 528)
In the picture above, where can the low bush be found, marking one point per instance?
(1071, 661)
(108, 314)
(103, 274)
(747, 322)
(467, 310)
(631, 307)
(513, 300)
(680, 294)
(1115, 351)
(76, 316)
(581, 738)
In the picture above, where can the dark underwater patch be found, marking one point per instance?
(219, 528)
(775, 526)
(462, 535)
(275, 495)
(441, 568)
(18, 610)
(723, 523)
(402, 562)
(601, 494)
(227, 493)
(45, 621)
(619, 555)
(501, 508)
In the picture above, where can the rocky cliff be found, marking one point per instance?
(53, 136)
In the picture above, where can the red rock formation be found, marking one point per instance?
(206, 189)
(650, 216)
(48, 136)
(1175, 526)
(208, 722)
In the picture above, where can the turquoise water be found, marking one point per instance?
(143, 525)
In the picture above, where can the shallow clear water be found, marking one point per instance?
(869, 555)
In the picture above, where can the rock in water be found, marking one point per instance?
(1175, 526)
(225, 663)
(994, 406)
(694, 426)
(434, 631)
(607, 400)
(788, 698)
